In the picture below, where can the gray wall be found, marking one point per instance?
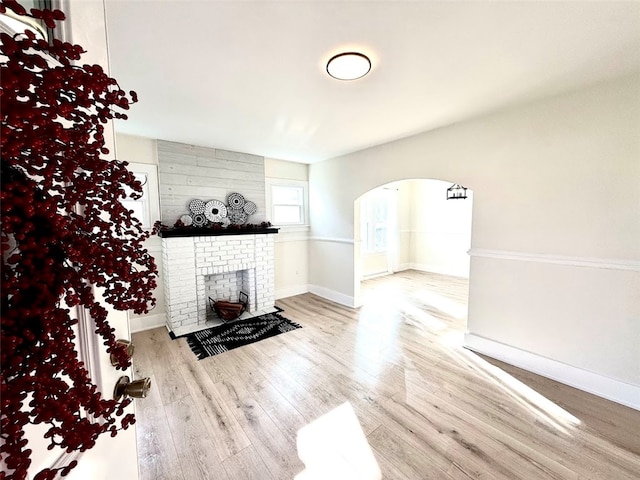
(188, 171)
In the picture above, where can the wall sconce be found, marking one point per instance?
(456, 191)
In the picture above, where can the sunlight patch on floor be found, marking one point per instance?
(377, 332)
(451, 307)
(540, 406)
(335, 447)
(413, 377)
(423, 319)
(452, 339)
(379, 307)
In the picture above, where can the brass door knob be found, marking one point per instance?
(127, 388)
(130, 349)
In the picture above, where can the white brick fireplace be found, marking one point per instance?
(218, 266)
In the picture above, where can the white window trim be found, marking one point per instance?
(284, 182)
(369, 225)
(151, 196)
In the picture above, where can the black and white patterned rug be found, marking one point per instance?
(237, 333)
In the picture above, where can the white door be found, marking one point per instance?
(378, 232)
(111, 457)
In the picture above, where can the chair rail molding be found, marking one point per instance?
(590, 262)
(349, 241)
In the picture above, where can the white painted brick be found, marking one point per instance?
(182, 266)
(189, 321)
(226, 265)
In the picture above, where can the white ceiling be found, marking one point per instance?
(250, 76)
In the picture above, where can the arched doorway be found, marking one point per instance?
(411, 225)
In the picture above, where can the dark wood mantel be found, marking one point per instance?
(209, 232)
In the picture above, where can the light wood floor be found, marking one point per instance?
(429, 408)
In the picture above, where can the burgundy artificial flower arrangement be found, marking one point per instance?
(64, 232)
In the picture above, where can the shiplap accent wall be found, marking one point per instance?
(189, 171)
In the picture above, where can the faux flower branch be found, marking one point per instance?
(64, 233)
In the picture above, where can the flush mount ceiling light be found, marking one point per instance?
(348, 66)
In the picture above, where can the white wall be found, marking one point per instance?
(136, 149)
(283, 169)
(291, 243)
(433, 234)
(554, 181)
(440, 229)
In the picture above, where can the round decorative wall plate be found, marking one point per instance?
(235, 200)
(237, 216)
(196, 206)
(250, 208)
(199, 220)
(215, 211)
(186, 220)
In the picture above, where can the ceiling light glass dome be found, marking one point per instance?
(348, 66)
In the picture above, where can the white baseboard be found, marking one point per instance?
(332, 295)
(291, 291)
(139, 324)
(375, 275)
(605, 387)
(424, 267)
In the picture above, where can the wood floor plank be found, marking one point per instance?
(273, 445)
(484, 443)
(223, 428)
(157, 455)
(428, 407)
(620, 426)
(406, 459)
(283, 413)
(299, 390)
(192, 441)
(171, 384)
(559, 442)
(246, 465)
(161, 351)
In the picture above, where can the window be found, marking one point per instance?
(140, 206)
(145, 208)
(288, 201)
(375, 218)
(11, 23)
